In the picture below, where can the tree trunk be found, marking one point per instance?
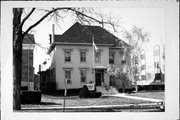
(136, 87)
(123, 87)
(17, 57)
(17, 73)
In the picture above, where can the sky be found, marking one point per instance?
(150, 19)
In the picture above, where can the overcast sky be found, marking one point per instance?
(150, 19)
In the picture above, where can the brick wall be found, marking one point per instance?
(27, 67)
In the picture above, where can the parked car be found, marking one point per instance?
(161, 105)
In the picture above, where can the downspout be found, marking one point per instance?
(28, 71)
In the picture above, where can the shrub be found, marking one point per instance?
(95, 94)
(30, 97)
(84, 92)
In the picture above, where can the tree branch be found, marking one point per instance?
(27, 16)
(80, 14)
(40, 20)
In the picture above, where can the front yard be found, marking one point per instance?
(76, 101)
(154, 95)
(73, 101)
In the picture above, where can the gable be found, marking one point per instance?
(29, 39)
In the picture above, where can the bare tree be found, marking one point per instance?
(136, 37)
(20, 17)
(120, 73)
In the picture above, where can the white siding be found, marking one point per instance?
(75, 64)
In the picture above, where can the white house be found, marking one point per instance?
(76, 61)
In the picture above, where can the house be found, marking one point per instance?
(27, 82)
(80, 56)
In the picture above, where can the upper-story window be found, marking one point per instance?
(98, 56)
(136, 60)
(83, 55)
(111, 57)
(67, 54)
(156, 51)
(142, 56)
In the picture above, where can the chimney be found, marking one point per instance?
(53, 29)
(50, 39)
(39, 68)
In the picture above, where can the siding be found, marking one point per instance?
(76, 64)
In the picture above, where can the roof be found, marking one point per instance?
(29, 39)
(83, 35)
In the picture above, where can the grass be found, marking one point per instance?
(76, 101)
(72, 101)
(154, 95)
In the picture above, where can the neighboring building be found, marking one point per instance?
(27, 82)
(152, 63)
(74, 62)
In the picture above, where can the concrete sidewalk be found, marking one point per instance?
(134, 97)
(124, 106)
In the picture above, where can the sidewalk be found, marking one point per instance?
(134, 97)
(125, 106)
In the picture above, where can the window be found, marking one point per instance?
(143, 77)
(156, 65)
(83, 73)
(67, 55)
(111, 57)
(142, 56)
(68, 76)
(98, 57)
(83, 55)
(143, 67)
(156, 50)
(136, 60)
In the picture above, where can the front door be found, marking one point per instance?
(99, 75)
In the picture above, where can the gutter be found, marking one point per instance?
(79, 44)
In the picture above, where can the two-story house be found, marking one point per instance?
(75, 60)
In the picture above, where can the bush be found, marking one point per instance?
(30, 97)
(84, 92)
(95, 94)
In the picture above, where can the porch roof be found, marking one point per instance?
(100, 67)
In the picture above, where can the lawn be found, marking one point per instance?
(76, 101)
(73, 101)
(154, 95)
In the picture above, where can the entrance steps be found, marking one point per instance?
(106, 90)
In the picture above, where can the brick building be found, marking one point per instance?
(27, 82)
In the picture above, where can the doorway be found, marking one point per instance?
(99, 77)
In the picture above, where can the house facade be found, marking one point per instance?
(152, 63)
(27, 82)
(75, 60)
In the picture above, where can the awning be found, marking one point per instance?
(100, 67)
